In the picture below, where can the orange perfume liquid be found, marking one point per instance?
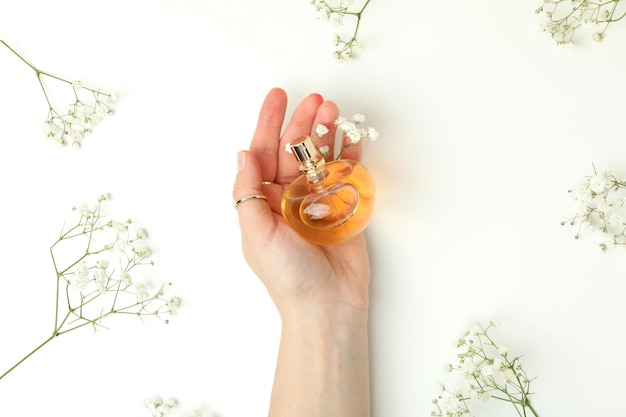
(331, 202)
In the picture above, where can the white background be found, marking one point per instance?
(484, 126)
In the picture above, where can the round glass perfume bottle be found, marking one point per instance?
(331, 201)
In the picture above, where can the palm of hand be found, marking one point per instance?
(294, 271)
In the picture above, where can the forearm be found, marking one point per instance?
(323, 366)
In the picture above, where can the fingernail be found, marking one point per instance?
(241, 160)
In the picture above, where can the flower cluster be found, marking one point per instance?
(102, 273)
(351, 133)
(335, 12)
(88, 107)
(87, 110)
(562, 18)
(486, 371)
(601, 209)
(163, 408)
(96, 262)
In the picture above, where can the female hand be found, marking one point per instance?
(321, 292)
(296, 273)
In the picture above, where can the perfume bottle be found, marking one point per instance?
(330, 202)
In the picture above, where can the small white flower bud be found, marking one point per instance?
(321, 130)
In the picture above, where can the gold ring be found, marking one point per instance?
(248, 198)
(266, 183)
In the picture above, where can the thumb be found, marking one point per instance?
(251, 204)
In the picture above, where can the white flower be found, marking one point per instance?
(347, 127)
(598, 183)
(324, 150)
(340, 120)
(100, 280)
(171, 402)
(118, 226)
(468, 366)
(82, 208)
(582, 193)
(141, 291)
(486, 371)
(372, 134)
(80, 278)
(102, 263)
(604, 15)
(48, 128)
(321, 130)
(447, 368)
(453, 403)
(173, 303)
(354, 136)
(358, 118)
(337, 20)
(113, 97)
(495, 321)
(503, 350)
(77, 85)
(126, 279)
(480, 397)
(507, 375)
(82, 271)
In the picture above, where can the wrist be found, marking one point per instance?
(330, 314)
(323, 363)
(342, 326)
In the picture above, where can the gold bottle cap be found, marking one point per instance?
(313, 163)
(305, 151)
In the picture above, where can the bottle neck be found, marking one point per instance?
(315, 172)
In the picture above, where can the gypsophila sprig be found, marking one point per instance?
(335, 13)
(350, 131)
(601, 211)
(89, 106)
(562, 19)
(159, 407)
(487, 371)
(97, 262)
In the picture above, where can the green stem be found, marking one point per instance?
(38, 73)
(530, 407)
(30, 354)
(20, 57)
(364, 6)
(37, 70)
